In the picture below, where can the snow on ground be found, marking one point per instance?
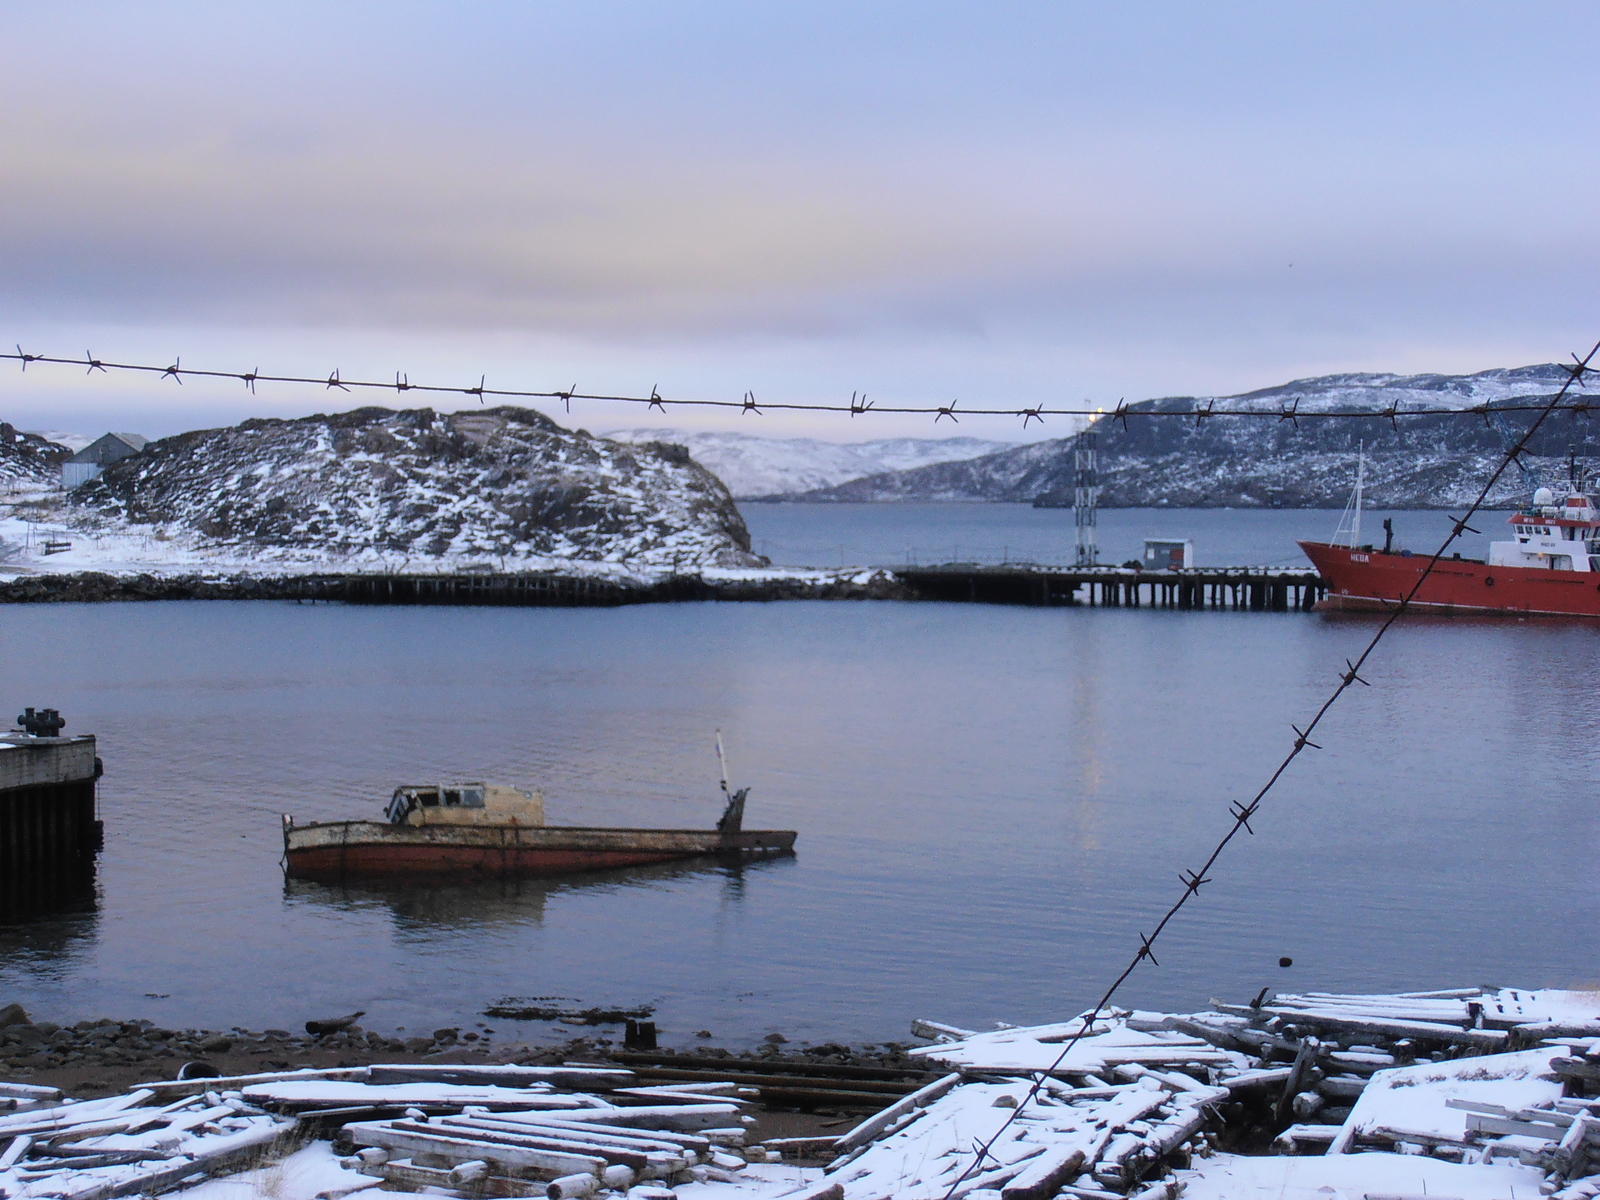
(1354, 1176)
(313, 1173)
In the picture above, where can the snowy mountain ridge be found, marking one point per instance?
(753, 466)
(1421, 462)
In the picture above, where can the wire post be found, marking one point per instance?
(1086, 494)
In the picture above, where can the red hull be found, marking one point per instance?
(334, 851)
(332, 863)
(1369, 580)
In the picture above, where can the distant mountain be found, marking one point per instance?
(72, 441)
(374, 487)
(754, 466)
(1427, 462)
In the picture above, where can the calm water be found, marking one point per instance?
(834, 535)
(991, 803)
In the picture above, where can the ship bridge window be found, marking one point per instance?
(452, 797)
(429, 799)
(472, 797)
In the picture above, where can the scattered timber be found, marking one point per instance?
(1145, 1106)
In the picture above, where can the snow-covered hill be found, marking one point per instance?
(27, 459)
(755, 466)
(415, 489)
(1428, 462)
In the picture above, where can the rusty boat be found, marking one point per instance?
(482, 831)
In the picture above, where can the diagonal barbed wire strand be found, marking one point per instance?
(1241, 813)
(857, 405)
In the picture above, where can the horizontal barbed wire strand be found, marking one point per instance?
(1241, 813)
(855, 407)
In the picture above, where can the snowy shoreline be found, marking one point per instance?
(1481, 1093)
(565, 586)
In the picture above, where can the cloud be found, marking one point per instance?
(917, 199)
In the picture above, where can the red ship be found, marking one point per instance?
(1551, 566)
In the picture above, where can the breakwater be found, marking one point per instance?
(1237, 589)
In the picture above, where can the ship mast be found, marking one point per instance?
(1350, 519)
(1361, 479)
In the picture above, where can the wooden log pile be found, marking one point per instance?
(135, 1144)
(1090, 1141)
(1470, 1092)
(1293, 1070)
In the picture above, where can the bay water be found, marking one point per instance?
(992, 803)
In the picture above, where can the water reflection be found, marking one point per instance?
(52, 926)
(483, 905)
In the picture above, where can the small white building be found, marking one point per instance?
(1167, 554)
(87, 463)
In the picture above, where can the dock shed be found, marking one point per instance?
(1167, 554)
(87, 463)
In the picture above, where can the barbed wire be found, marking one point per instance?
(1193, 880)
(858, 404)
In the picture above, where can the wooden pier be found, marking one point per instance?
(1237, 590)
(1218, 589)
(49, 833)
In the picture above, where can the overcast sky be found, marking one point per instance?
(1001, 203)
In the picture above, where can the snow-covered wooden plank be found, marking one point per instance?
(874, 1125)
(591, 1134)
(578, 1079)
(208, 1156)
(405, 1174)
(14, 1151)
(685, 1118)
(1490, 1039)
(1045, 1174)
(229, 1083)
(646, 1162)
(935, 1030)
(66, 1116)
(333, 1093)
(654, 1133)
(551, 1163)
(30, 1091)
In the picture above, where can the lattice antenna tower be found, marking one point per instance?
(1086, 494)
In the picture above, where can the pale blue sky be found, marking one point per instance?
(1005, 203)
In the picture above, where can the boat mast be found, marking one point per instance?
(1361, 479)
(733, 814)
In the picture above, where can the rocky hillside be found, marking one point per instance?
(26, 459)
(1428, 462)
(755, 467)
(501, 486)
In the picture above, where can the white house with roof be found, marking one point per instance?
(87, 463)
